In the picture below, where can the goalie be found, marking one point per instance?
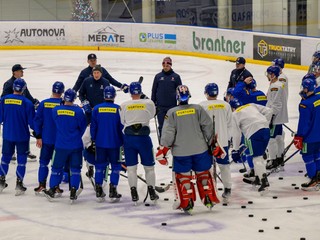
(187, 129)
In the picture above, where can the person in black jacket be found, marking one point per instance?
(87, 72)
(164, 88)
(17, 72)
(240, 73)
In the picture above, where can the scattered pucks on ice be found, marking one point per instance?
(280, 178)
(250, 215)
(170, 166)
(305, 198)
(261, 230)
(276, 227)
(250, 202)
(264, 219)
(147, 204)
(289, 211)
(164, 224)
(274, 197)
(243, 206)
(166, 199)
(300, 171)
(225, 204)
(162, 184)
(220, 189)
(296, 187)
(293, 184)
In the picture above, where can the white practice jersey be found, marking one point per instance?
(284, 79)
(277, 101)
(223, 118)
(248, 119)
(139, 111)
(86, 137)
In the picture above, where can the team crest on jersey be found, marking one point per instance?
(172, 79)
(101, 87)
(274, 89)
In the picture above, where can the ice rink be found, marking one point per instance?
(285, 213)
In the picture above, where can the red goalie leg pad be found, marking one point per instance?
(183, 191)
(208, 189)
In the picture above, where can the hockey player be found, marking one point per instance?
(135, 117)
(107, 138)
(87, 72)
(16, 114)
(187, 130)
(70, 122)
(45, 133)
(279, 62)
(277, 101)
(307, 138)
(222, 114)
(164, 88)
(315, 59)
(253, 121)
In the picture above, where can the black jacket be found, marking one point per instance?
(238, 75)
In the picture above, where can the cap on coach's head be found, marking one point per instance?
(241, 60)
(97, 68)
(92, 56)
(17, 67)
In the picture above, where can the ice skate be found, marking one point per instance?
(226, 195)
(73, 195)
(90, 172)
(263, 189)
(276, 165)
(58, 192)
(254, 183)
(134, 195)
(312, 185)
(100, 193)
(32, 157)
(3, 183)
(250, 174)
(113, 193)
(188, 209)
(207, 202)
(39, 191)
(20, 188)
(152, 193)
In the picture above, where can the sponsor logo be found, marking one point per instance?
(13, 101)
(106, 35)
(185, 112)
(133, 107)
(107, 110)
(217, 45)
(158, 38)
(66, 113)
(16, 35)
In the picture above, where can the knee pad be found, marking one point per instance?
(206, 186)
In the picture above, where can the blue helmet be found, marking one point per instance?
(58, 87)
(211, 89)
(252, 85)
(135, 88)
(309, 75)
(70, 95)
(278, 62)
(273, 69)
(316, 54)
(19, 85)
(230, 91)
(235, 103)
(309, 84)
(182, 93)
(109, 92)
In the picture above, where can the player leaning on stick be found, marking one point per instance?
(187, 130)
(135, 116)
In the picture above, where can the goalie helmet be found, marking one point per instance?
(211, 89)
(278, 62)
(235, 103)
(70, 95)
(135, 88)
(182, 93)
(58, 87)
(19, 85)
(252, 85)
(109, 92)
(273, 70)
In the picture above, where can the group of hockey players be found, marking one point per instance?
(246, 126)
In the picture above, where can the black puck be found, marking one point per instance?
(289, 211)
(170, 181)
(274, 197)
(296, 187)
(164, 224)
(250, 215)
(162, 184)
(293, 184)
(280, 178)
(166, 199)
(300, 171)
(276, 227)
(302, 238)
(220, 189)
(250, 202)
(305, 198)
(225, 204)
(243, 206)
(264, 219)
(147, 204)
(261, 230)
(170, 166)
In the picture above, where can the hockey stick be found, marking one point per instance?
(139, 81)
(157, 130)
(292, 132)
(286, 160)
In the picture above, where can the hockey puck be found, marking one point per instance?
(243, 206)
(225, 204)
(264, 219)
(280, 178)
(220, 189)
(250, 215)
(289, 211)
(305, 198)
(261, 230)
(300, 171)
(162, 184)
(302, 238)
(250, 202)
(147, 204)
(170, 166)
(274, 197)
(276, 227)
(166, 199)
(163, 224)
(293, 184)
(296, 187)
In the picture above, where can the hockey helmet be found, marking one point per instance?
(70, 95)
(58, 87)
(19, 85)
(309, 75)
(230, 91)
(211, 89)
(109, 92)
(135, 88)
(235, 103)
(182, 93)
(273, 70)
(278, 62)
(309, 84)
(252, 85)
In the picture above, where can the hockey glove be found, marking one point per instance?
(298, 142)
(236, 156)
(161, 155)
(92, 147)
(217, 152)
(125, 88)
(86, 107)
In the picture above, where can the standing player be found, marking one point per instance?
(187, 130)
(240, 73)
(16, 114)
(307, 138)
(164, 88)
(135, 116)
(222, 124)
(277, 101)
(107, 137)
(253, 121)
(315, 59)
(70, 122)
(45, 133)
